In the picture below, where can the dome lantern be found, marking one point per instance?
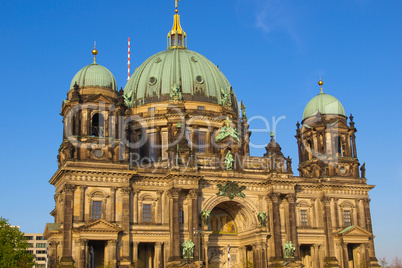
(177, 38)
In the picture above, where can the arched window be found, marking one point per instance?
(98, 125)
(338, 146)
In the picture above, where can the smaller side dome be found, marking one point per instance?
(94, 75)
(323, 103)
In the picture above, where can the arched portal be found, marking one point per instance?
(233, 224)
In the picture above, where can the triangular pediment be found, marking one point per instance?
(99, 226)
(354, 231)
(98, 98)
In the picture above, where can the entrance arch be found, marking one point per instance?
(235, 223)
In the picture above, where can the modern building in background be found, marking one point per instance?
(144, 170)
(38, 248)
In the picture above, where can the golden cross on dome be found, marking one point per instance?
(176, 5)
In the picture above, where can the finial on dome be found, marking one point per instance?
(320, 83)
(176, 10)
(177, 37)
(94, 52)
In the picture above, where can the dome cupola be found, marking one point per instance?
(324, 104)
(94, 75)
(178, 73)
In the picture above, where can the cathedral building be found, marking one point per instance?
(160, 174)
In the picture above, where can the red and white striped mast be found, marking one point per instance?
(128, 63)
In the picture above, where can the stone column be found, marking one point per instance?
(345, 255)
(53, 258)
(84, 122)
(158, 255)
(135, 216)
(277, 225)
(263, 253)
(82, 203)
(328, 231)
(206, 254)
(367, 214)
(125, 239)
(195, 224)
(159, 211)
(113, 204)
(158, 143)
(175, 225)
(83, 243)
(292, 221)
(208, 142)
(111, 245)
(336, 212)
(67, 258)
(135, 253)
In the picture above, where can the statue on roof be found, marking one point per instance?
(227, 130)
(226, 98)
(176, 94)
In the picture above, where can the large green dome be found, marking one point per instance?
(199, 78)
(325, 104)
(94, 75)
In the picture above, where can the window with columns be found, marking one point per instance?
(347, 220)
(146, 213)
(98, 125)
(303, 217)
(96, 210)
(201, 141)
(303, 209)
(347, 210)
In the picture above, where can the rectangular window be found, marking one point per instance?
(41, 245)
(41, 258)
(29, 237)
(96, 210)
(152, 146)
(41, 252)
(181, 216)
(346, 218)
(201, 141)
(40, 238)
(41, 265)
(30, 251)
(303, 216)
(146, 213)
(201, 108)
(30, 245)
(151, 109)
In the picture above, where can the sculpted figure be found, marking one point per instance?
(363, 170)
(229, 161)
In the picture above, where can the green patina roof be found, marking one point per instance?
(346, 229)
(325, 104)
(94, 75)
(154, 78)
(53, 226)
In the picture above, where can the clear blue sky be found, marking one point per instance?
(271, 51)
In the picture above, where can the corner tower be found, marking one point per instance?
(89, 116)
(327, 145)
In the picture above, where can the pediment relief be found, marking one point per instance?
(99, 226)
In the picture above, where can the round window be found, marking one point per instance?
(98, 153)
(152, 80)
(199, 79)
